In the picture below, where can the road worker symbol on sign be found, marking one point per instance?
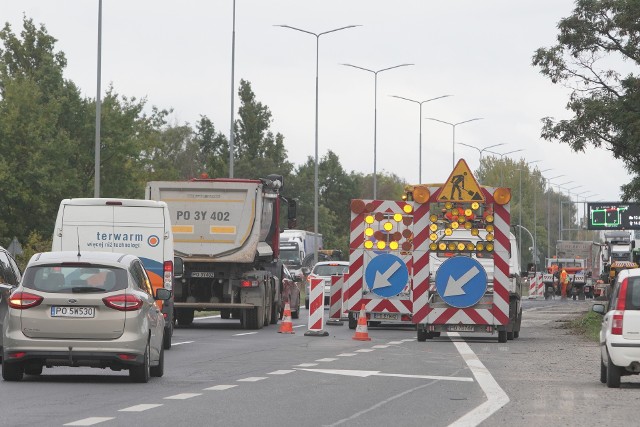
(461, 186)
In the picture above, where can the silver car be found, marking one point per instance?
(9, 279)
(90, 309)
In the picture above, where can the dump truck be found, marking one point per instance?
(581, 260)
(226, 243)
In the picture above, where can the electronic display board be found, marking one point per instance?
(613, 216)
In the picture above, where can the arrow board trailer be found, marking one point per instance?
(469, 279)
(381, 258)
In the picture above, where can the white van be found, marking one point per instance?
(137, 227)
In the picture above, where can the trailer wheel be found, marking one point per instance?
(510, 336)
(516, 334)
(502, 336)
(352, 321)
(422, 335)
(225, 314)
(251, 318)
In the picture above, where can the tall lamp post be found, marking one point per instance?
(481, 150)
(520, 208)
(233, 66)
(549, 213)
(96, 179)
(315, 174)
(535, 218)
(453, 126)
(420, 119)
(560, 187)
(375, 115)
(578, 211)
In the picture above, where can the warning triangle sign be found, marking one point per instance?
(461, 186)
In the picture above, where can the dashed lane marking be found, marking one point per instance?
(244, 333)
(306, 365)
(364, 350)
(281, 372)
(91, 421)
(252, 379)
(141, 407)
(299, 326)
(394, 342)
(183, 396)
(221, 387)
(180, 343)
(380, 346)
(365, 374)
(347, 354)
(327, 359)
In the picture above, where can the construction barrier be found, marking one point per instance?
(536, 286)
(286, 326)
(316, 309)
(335, 301)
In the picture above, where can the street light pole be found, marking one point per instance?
(420, 139)
(560, 217)
(549, 214)
(453, 126)
(501, 157)
(520, 210)
(481, 150)
(375, 116)
(233, 64)
(315, 174)
(535, 218)
(96, 179)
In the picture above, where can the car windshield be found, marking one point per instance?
(330, 269)
(67, 278)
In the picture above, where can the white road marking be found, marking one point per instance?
(299, 326)
(364, 350)
(244, 333)
(90, 421)
(496, 397)
(183, 396)
(180, 343)
(347, 354)
(221, 387)
(394, 342)
(365, 374)
(327, 359)
(141, 407)
(252, 379)
(409, 340)
(307, 365)
(380, 346)
(281, 372)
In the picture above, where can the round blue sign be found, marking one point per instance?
(461, 281)
(386, 275)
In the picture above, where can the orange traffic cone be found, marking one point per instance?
(361, 330)
(286, 326)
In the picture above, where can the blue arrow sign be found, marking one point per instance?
(386, 275)
(461, 281)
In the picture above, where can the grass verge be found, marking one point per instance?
(588, 325)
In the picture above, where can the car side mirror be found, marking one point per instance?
(598, 308)
(163, 294)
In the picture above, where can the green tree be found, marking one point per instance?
(604, 101)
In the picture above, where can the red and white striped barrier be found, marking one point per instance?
(335, 301)
(316, 308)
(536, 286)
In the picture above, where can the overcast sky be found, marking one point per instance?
(177, 54)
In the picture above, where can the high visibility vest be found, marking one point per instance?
(563, 276)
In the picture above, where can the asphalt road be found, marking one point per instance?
(219, 374)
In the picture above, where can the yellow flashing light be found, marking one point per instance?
(368, 244)
(451, 246)
(442, 246)
(489, 218)
(433, 246)
(489, 247)
(480, 246)
(470, 246)
(433, 218)
(489, 237)
(368, 219)
(455, 225)
(468, 225)
(461, 246)
(489, 228)
(474, 231)
(433, 236)
(397, 217)
(393, 245)
(407, 208)
(368, 231)
(421, 194)
(381, 244)
(388, 226)
(448, 232)
(502, 195)
(468, 212)
(433, 227)
(448, 205)
(475, 206)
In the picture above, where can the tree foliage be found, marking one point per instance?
(599, 40)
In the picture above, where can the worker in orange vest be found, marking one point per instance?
(564, 279)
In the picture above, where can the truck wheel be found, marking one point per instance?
(295, 314)
(166, 337)
(502, 336)
(516, 334)
(184, 316)
(225, 314)
(424, 335)
(510, 336)
(275, 311)
(251, 318)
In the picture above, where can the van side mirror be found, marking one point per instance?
(178, 267)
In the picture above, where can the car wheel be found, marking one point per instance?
(158, 371)
(225, 314)
(603, 372)
(184, 316)
(12, 371)
(33, 369)
(502, 336)
(141, 373)
(166, 337)
(613, 375)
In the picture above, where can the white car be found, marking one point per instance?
(324, 270)
(620, 332)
